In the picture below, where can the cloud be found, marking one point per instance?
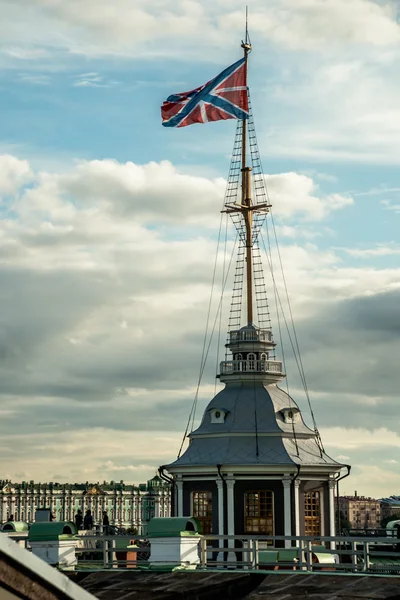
(360, 438)
(336, 109)
(106, 271)
(296, 194)
(92, 80)
(96, 28)
(379, 250)
(13, 174)
(26, 53)
(34, 79)
(388, 205)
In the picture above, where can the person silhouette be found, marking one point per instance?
(88, 520)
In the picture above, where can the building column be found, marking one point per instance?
(157, 504)
(332, 486)
(230, 484)
(322, 511)
(296, 507)
(220, 487)
(287, 507)
(179, 491)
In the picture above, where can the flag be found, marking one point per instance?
(224, 97)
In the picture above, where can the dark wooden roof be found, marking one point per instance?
(124, 585)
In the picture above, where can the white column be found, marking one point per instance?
(230, 484)
(179, 489)
(332, 485)
(287, 506)
(296, 507)
(220, 487)
(322, 509)
(157, 504)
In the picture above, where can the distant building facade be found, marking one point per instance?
(390, 507)
(127, 506)
(361, 512)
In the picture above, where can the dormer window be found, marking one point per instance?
(290, 415)
(218, 415)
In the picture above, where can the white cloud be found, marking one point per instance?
(26, 53)
(13, 174)
(82, 459)
(351, 439)
(34, 79)
(379, 250)
(331, 110)
(110, 267)
(388, 205)
(292, 194)
(97, 28)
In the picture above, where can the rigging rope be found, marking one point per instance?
(205, 352)
(300, 362)
(206, 330)
(220, 312)
(276, 294)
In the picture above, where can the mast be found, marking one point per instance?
(246, 195)
(245, 206)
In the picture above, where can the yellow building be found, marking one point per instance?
(360, 511)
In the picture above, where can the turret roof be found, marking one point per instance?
(253, 431)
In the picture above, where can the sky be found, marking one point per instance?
(110, 221)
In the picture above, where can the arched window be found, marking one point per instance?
(240, 362)
(312, 513)
(263, 356)
(251, 361)
(202, 510)
(259, 512)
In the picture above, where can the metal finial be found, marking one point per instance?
(246, 44)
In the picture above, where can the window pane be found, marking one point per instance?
(312, 513)
(202, 510)
(258, 511)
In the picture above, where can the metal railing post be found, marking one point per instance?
(353, 546)
(203, 552)
(105, 554)
(366, 557)
(254, 554)
(308, 555)
(114, 563)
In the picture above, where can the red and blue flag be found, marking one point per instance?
(224, 97)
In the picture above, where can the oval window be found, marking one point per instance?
(217, 414)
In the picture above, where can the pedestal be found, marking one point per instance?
(60, 553)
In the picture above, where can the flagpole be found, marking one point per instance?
(246, 195)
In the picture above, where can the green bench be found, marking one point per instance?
(276, 558)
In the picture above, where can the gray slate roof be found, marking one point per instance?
(236, 442)
(251, 406)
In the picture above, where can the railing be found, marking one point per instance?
(363, 555)
(301, 553)
(252, 366)
(250, 335)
